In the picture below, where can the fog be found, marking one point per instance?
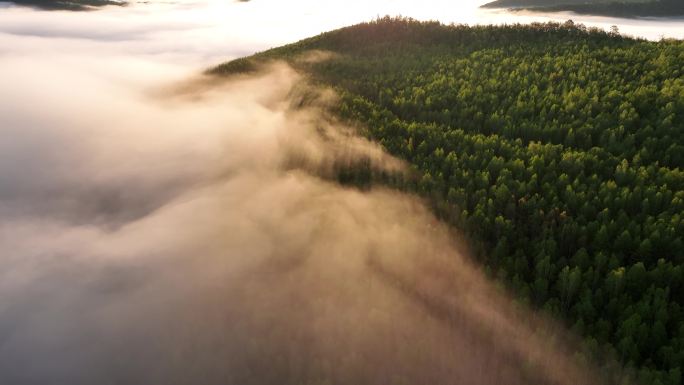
(184, 234)
(161, 227)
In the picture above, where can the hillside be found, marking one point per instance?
(612, 8)
(558, 150)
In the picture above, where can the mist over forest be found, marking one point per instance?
(219, 246)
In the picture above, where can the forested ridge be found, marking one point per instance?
(614, 8)
(557, 149)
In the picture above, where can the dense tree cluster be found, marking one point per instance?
(558, 150)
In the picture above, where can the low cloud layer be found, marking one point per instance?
(165, 237)
(160, 230)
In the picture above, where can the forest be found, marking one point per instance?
(612, 8)
(558, 150)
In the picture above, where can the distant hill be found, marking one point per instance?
(556, 149)
(70, 5)
(629, 9)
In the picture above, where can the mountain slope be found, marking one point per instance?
(557, 149)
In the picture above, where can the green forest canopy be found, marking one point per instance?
(615, 8)
(558, 150)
